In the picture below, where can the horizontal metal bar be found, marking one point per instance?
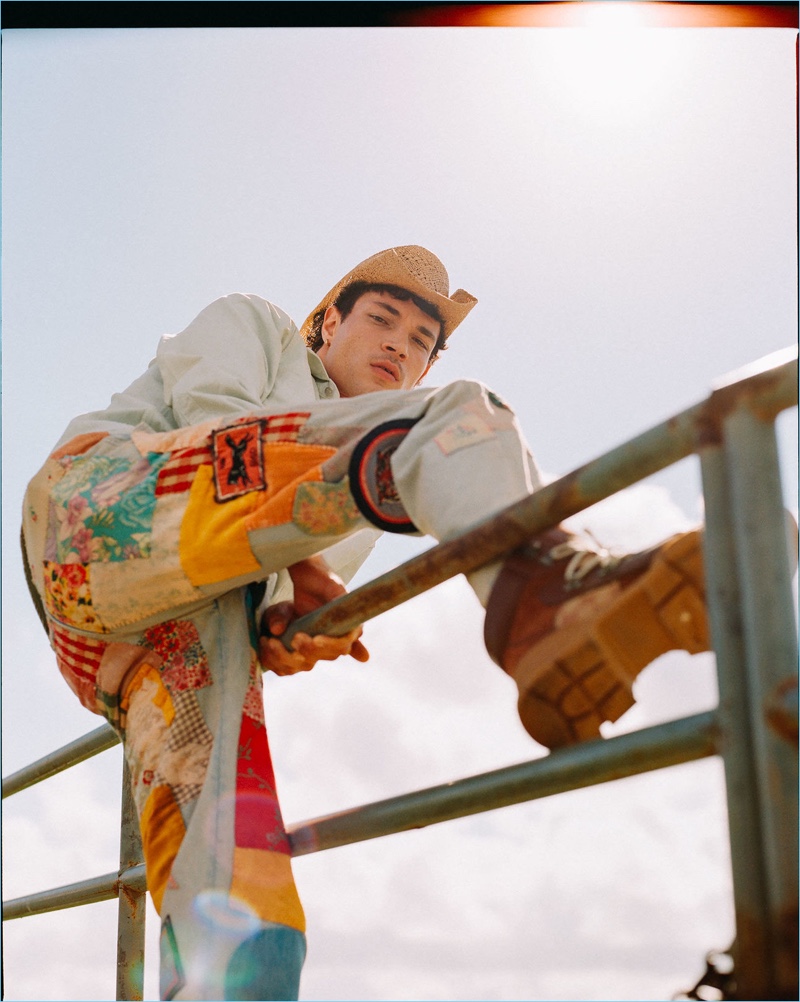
(572, 768)
(84, 892)
(766, 391)
(96, 741)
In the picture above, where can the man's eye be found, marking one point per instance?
(378, 317)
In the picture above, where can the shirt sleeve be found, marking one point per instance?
(226, 361)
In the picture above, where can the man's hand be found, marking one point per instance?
(315, 584)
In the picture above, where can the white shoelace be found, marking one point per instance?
(585, 556)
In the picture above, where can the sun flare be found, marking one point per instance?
(614, 72)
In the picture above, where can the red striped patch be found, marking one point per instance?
(80, 655)
(283, 427)
(177, 474)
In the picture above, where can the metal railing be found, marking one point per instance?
(754, 728)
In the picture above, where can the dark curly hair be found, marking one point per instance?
(350, 294)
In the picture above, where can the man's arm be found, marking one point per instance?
(225, 363)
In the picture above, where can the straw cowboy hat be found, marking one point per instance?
(413, 268)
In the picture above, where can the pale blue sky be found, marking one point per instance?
(624, 208)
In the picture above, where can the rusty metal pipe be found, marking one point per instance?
(84, 892)
(768, 387)
(574, 768)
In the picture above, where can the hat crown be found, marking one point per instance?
(409, 267)
(425, 267)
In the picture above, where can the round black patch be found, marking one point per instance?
(371, 480)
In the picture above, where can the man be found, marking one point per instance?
(253, 463)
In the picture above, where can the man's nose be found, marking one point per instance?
(396, 345)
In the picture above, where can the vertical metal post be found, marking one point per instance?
(752, 953)
(770, 640)
(131, 915)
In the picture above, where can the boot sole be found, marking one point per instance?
(582, 675)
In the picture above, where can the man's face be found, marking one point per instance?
(382, 344)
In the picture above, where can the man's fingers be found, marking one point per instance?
(307, 651)
(359, 652)
(277, 617)
(327, 648)
(274, 657)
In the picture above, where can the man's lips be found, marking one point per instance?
(387, 369)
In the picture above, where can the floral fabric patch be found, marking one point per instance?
(254, 697)
(322, 509)
(258, 823)
(67, 595)
(177, 643)
(103, 508)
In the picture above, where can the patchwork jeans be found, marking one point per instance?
(143, 549)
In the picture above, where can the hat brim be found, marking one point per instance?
(387, 268)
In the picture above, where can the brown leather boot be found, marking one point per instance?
(574, 625)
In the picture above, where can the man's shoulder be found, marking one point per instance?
(250, 308)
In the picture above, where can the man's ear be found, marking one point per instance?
(330, 324)
(425, 373)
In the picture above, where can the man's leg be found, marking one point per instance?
(224, 506)
(123, 533)
(191, 718)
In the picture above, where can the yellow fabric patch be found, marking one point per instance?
(288, 464)
(160, 696)
(263, 880)
(163, 831)
(213, 537)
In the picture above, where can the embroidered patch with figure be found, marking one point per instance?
(238, 460)
(467, 430)
(372, 481)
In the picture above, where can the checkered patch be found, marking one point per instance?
(283, 427)
(371, 480)
(177, 474)
(79, 655)
(188, 726)
(238, 460)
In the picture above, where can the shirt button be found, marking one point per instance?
(327, 392)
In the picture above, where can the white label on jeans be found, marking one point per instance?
(467, 430)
